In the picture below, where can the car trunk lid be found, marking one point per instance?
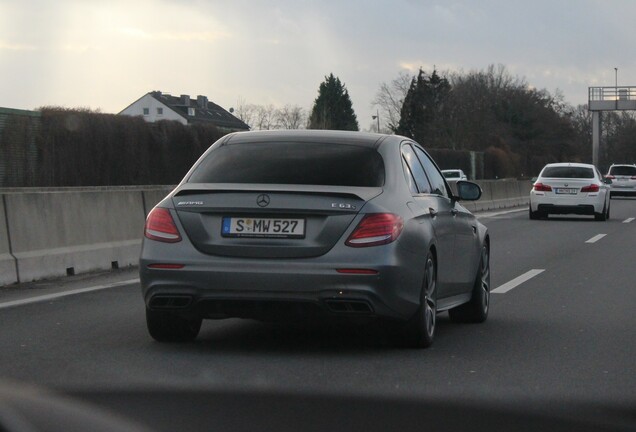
(268, 221)
(567, 187)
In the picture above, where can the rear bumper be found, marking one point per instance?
(587, 204)
(293, 289)
(581, 209)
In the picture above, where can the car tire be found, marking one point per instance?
(534, 215)
(602, 216)
(476, 310)
(167, 327)
(420, 329)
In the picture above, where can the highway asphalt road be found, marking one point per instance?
(562, 327)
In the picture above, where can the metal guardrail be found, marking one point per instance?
(611, 94)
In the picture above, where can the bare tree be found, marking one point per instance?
(389, 100)
(291, 117)
(265, 117)
(245, 112)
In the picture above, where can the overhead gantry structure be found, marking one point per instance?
(607, 99)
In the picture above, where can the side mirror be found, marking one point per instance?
(468, 191)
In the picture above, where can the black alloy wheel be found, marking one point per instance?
(420, 330)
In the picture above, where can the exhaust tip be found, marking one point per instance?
(349, 306)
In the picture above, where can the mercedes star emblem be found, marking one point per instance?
(262, 200)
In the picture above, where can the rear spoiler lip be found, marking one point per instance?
(363, 193)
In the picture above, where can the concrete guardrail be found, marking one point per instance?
(500, 194)
(54, 232)
(66, 231)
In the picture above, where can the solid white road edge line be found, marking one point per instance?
(65, 293)
(517, 281)
(628, 220)
(596, 238)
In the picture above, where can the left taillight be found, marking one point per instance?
(376, 229)
(540, 187)
(161, 227)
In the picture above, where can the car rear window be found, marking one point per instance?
(292, 163)
(623, 170)
(450, 174)
(568, 172)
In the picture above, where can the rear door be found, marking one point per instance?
(433, 208)
(462, 224)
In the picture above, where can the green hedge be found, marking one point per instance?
(84, 148)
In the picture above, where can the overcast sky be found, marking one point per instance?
(104, 54)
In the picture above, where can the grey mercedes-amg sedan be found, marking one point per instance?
(307, 225)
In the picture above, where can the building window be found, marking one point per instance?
(191, 112)
(159, 111)
(146, 111)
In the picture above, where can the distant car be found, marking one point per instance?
(288, 225)
(623, 178)
(570, 188)
(454, 175)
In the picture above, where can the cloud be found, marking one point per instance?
(414, 66)
(206, 36)
(9, 46)
(74, 48)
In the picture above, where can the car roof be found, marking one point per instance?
(363, 139)
(572, 164)
(629, 165)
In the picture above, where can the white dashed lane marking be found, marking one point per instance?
(502, 289)
(596, 238)
(628, 220)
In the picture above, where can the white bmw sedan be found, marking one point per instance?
(570, 188)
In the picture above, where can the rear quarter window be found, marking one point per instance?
(568, 172)
(292, 163)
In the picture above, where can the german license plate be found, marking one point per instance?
(263, 227)
(569, 191)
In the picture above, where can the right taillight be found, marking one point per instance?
(540, 187)
(590, 188)
(376, 229)
(161, 227)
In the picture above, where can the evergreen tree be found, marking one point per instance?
(422, 107)
(333, 108)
